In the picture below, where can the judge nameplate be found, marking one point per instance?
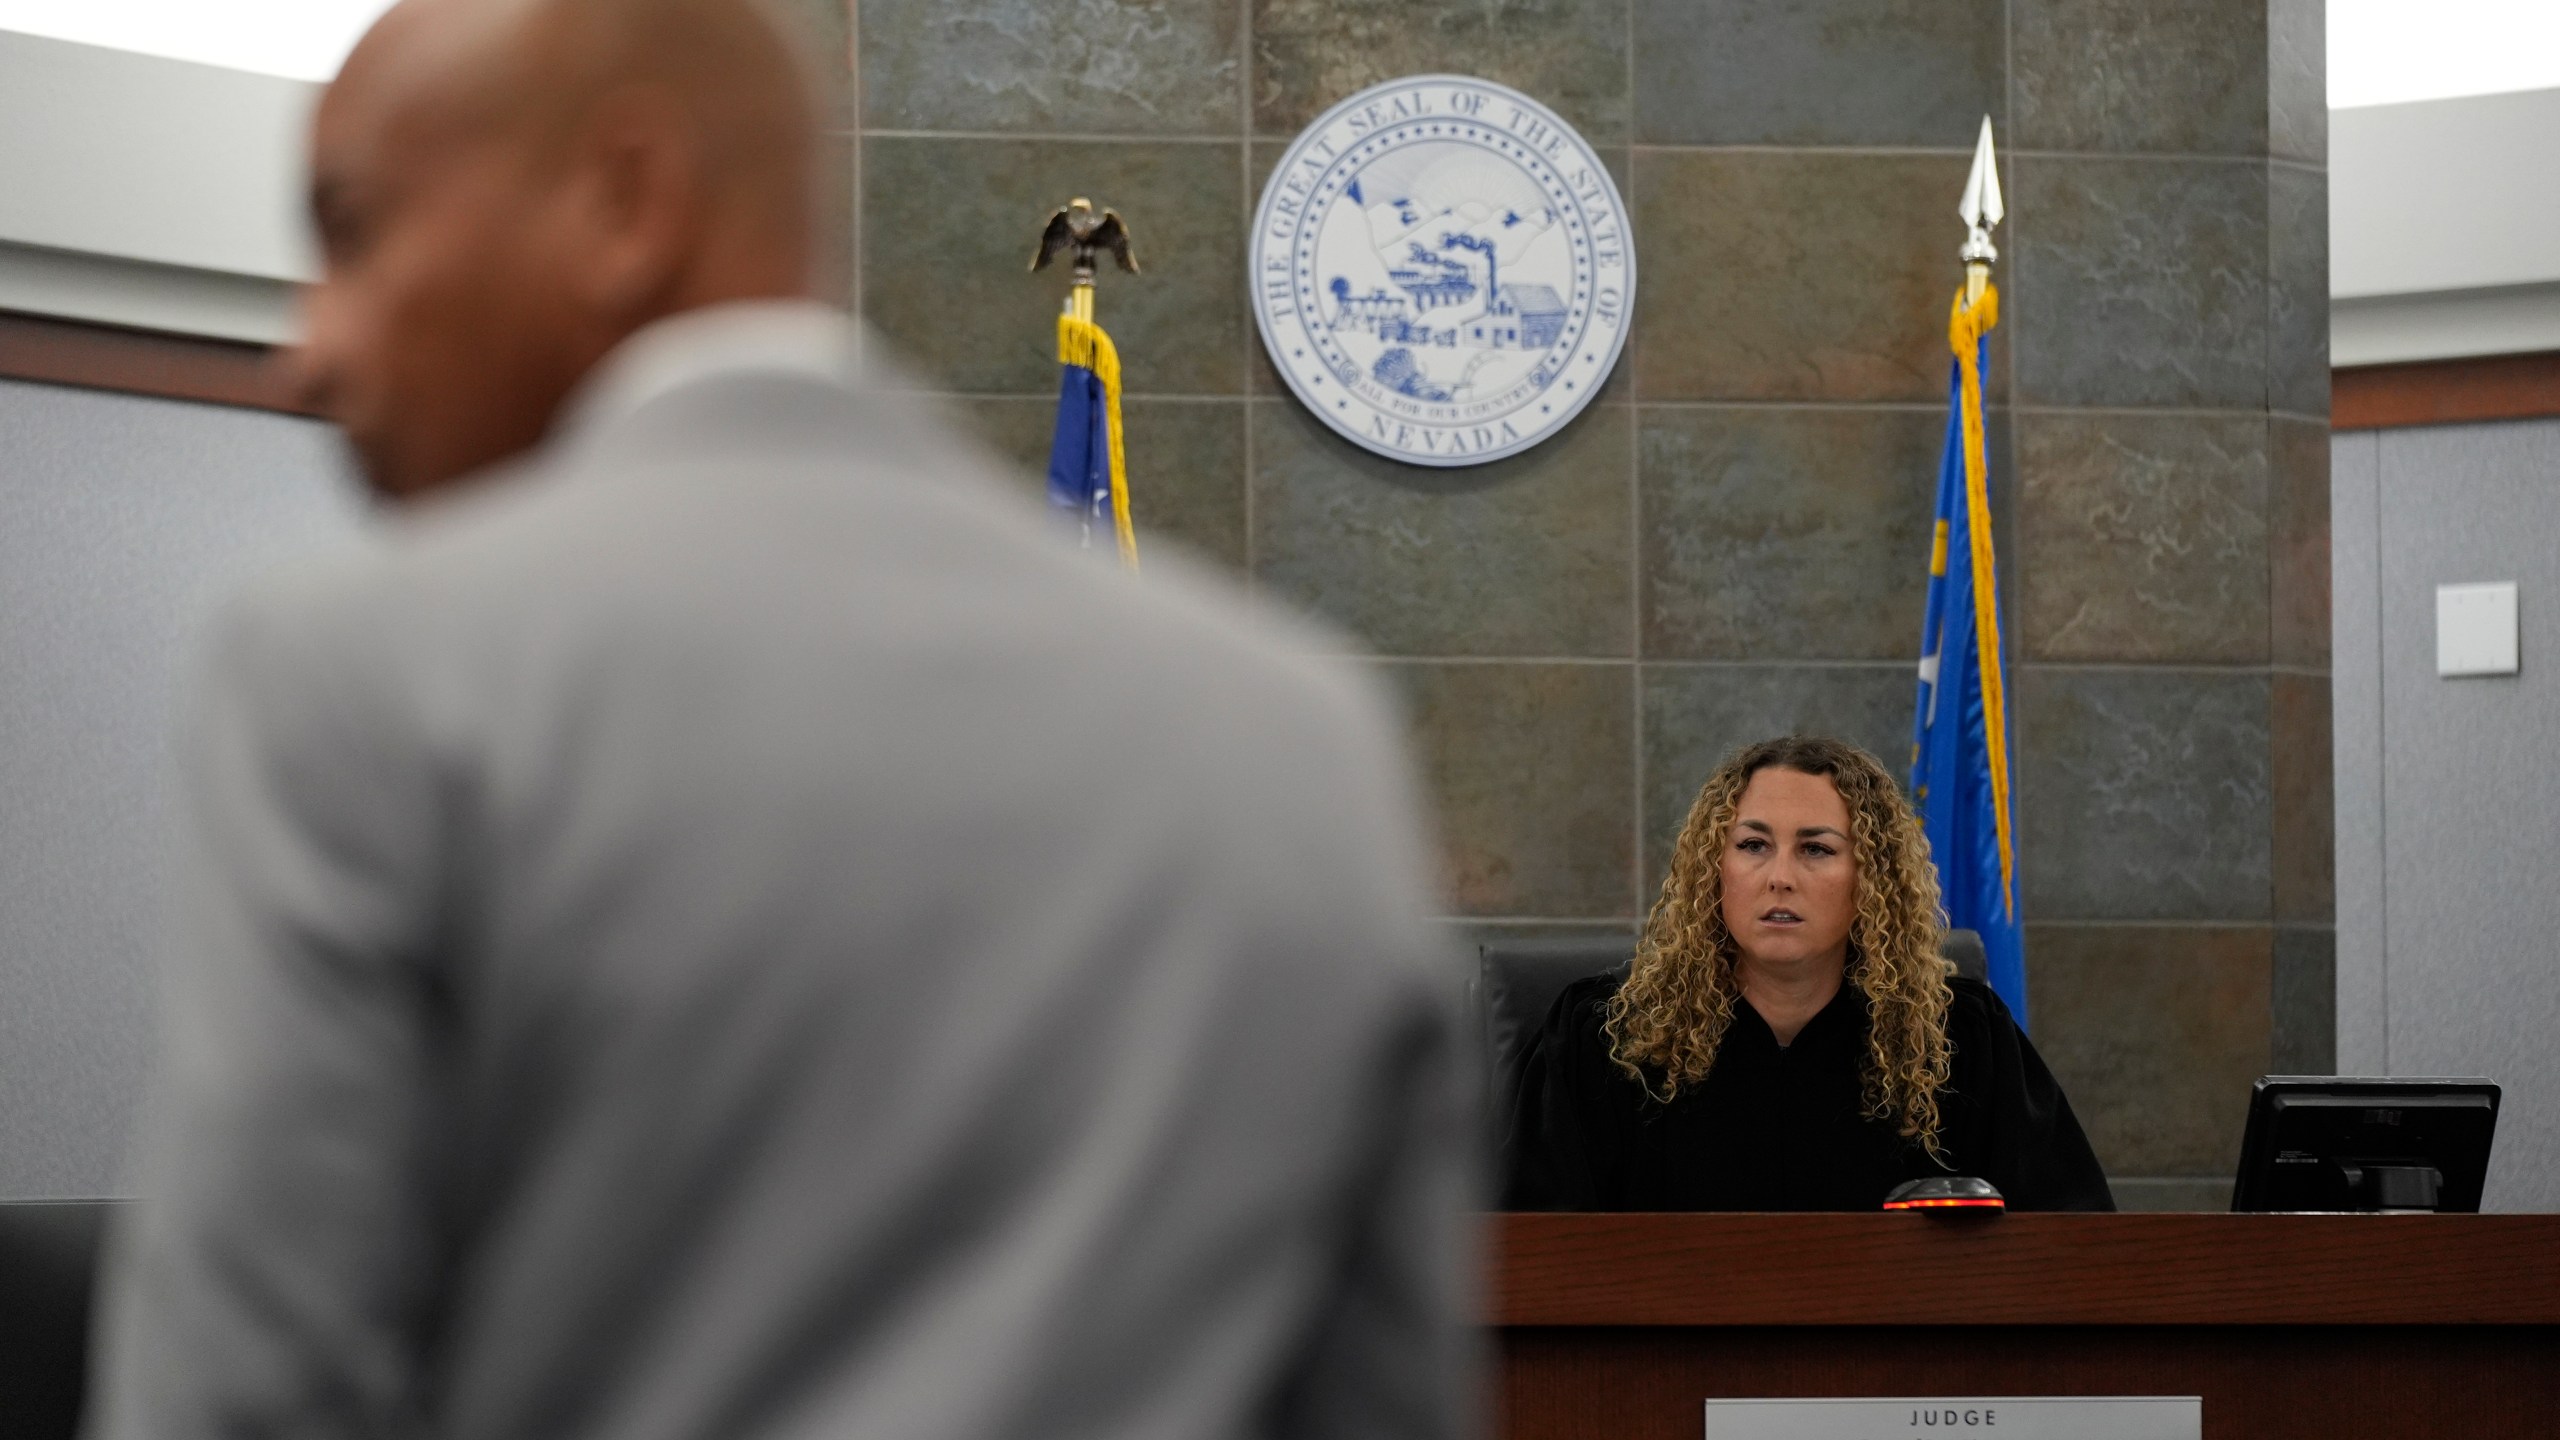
(2074, 1417)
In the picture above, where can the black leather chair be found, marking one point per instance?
(1517, 982)
(48, 1258)
(1963, 949)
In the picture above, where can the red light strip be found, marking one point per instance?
(1945, 1205)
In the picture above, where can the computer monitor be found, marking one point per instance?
(2334, 1143)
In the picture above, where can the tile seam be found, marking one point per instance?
(853, 85)
(1492, 659)
(1898, 407)
(2277, 850)
(1246, 202)
(2381, 753)
(2242, 669)
(2042, 661)
(1253, 342)
(1635, 515)
(2173, 412)
(1879, 152)
(2018, 294)
(1898, 667)
(1607, 921)
(1172, 398)
(2163, 157)
(1166, 395)
(2155, 923)
(1938, 152)
(2150, 667)
(1081, 137)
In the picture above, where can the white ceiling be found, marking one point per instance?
(302, 39)
(2381, 52)
(2386, 52)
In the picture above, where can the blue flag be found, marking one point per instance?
(1960, 731)
(1088, 465)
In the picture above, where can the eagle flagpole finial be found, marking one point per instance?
(1079, 227)
(1980, 210)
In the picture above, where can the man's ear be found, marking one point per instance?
(640, 194)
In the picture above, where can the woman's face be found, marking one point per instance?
(1790, 881)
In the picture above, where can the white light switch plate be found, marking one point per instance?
(2476, 629)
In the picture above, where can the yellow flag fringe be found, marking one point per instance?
(1082, 342)
(1965, 329)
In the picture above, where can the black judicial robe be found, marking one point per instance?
(1779, 1128)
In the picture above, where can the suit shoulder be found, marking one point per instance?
(322, 605)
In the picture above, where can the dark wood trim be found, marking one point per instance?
(2271, 1382)
(2216, 1270)
(229, 372)
(142, 362)
(2445, 392)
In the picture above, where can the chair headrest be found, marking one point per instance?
(1517, 982)
(1963, 949)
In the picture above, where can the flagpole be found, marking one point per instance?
(1088, 462)
(1961, 763)
(1982, 209)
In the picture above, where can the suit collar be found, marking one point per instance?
(802, 339)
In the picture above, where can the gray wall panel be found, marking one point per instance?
(2471, 785)
(2355, 641)
(125, 519)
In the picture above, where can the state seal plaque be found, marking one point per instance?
(1442, 268)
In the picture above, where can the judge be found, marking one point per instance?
(1788, 1037)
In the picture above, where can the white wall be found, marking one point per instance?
(126, 517)
(2448, 791)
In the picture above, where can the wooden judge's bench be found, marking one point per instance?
(2327, 1326)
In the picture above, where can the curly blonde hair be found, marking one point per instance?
(1667, 1020)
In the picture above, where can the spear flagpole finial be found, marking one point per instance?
(1981, 210)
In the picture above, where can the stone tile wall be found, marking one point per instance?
(1731, 542)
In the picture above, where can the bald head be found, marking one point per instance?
(506, 189)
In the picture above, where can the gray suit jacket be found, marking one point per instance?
(734, 929)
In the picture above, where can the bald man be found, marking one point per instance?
(720, 924)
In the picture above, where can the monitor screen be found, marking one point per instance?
(2322, 1143)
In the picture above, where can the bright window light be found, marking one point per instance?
(304, 39)
(2384, 52)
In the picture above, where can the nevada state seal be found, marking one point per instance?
(1443, 270)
